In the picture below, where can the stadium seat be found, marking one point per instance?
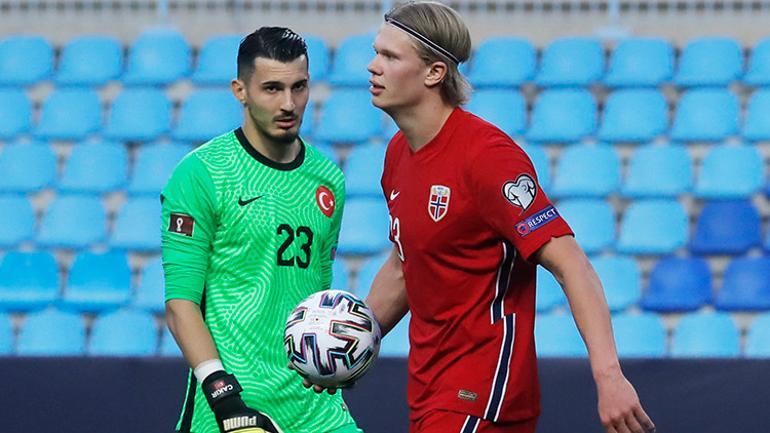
(367, 272)
(25, 60)
(138, 114)
(157, 57)
(757, 124)
(28, 281)
(390, 128)
(216, 61)
(348, 116)
(168, 346)
(705, 335)
(318, 55)
(678, 284)
(658, 171)
(710, 61)
(727, 227)
(640, 62)
(70, 114)
(207, 113)
(27, 167)
(621, 279)
(153, 166)
(587, 171)
(542, 165)
(97, 282)
(746, 285)
(705, 115)
(17, 221)
(503, 108)
(351, 59)
(307, 128)
(396, 343)
(730, 172)
(364, 227)
(557, 336)
(16, 112)
(340, 279)
(592, 221)
(634, 116)
(571, 61)
(136, 225)
(638, 236)
(124, 333)
(562, 116)
(6, 335)
(758, 337)
(363, 170)
(52, 333)
(503, 62)
(758, 71)
(549, 293)
(150, 294)
(639, 335)
(95, 168)
(90, 61)
(73, 221)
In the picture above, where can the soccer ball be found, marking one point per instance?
(332, 338)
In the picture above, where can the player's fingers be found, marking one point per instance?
(331, 391)
(633, 424)
(318, 389)
(621, 427)
(291, 366)
(610, 429)
(306, 383)
(644, 420)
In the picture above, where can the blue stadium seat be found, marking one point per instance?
(706, 335)
(364, 226)
(16, 112)
(639, 335)
(396, 343)
(90, 61)
(216, 61)
(124, 333)
(503, 62)
(363, 170)
(658, 171)
(678, 284)
(562, 116)
(348, 116)
(73, 221)
(542, 165)
(367, 272)
(168, 346)
(746, 285)
(549, 293)
(52, 333)
(638, 236)
(351, 59)
(6, 335)
(621, 279)
(556, 335)
(136, 225)
(27, 167)
(758, 337)
(17, 221)
(307, 128)
(571, 61)
(150, 293)
(504, 108)
(593, 222)
(634, 115)
(390, 128)
(97, 282)
(727, 227)
(640, 62)
(757, 123)
(25, 60)
(318, 55)
(207, 113)
(139, 114)
(340, 279)
(705, 115)
(95, 168)
(157, 57)
(730, 172)
(758, 71)
(28, 281)
(70, 114)
(153, 166)
(710, 61)
(587, 171)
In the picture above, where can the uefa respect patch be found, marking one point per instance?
(536, 221)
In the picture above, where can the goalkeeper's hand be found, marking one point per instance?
(223, 393)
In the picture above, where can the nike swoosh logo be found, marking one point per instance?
(243, 202)
(394, 194)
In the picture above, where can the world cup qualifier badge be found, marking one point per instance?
(325, 200)
(438, 202)
(520, 192)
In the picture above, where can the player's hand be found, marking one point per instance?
(308, 384)
(223, 393)
(619, 408)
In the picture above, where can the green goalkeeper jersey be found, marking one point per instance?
(248, 239)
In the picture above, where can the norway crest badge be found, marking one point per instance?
(438, 203)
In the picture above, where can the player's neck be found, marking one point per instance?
(421, 123)
(276, 151)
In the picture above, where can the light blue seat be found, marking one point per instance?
(318, 56)
(758, 71)
(207, 113)
(157, 57)
(348, 116)
(396, 343)
(96, 168)
(587, 171)
(634, 115)
(367, 272)
(746, 285)
(25, 60)
(138, 114)
(658, 171)
(758, 337)
(571, 61)
(27, 167)
(504, 108)
(706, 335)
(639, 335)
(638, 236)
(727, 227)
(363, 170)
(97, 282)
(757, 124)
(168, 346)
(710, 61)
(6, 335)
(542, 165)
(70, 114)
(390, 128)
(351, 59)
(562, 116)
(592, 221)
(136, 225)
(307, 128)
(365, 226)
(152, 167)
(52, 333)
(216, 61)
(678, 284)
(621, 279)
(28, 281)
(557, 336)
(503, 62)
(340, 278)
(73, 221)
(16, 112)
(150, 293)
(90, 61)
(705, 115)
(549, 293)
(124, 333)
(640, 62)
(17, 221)
(730, 172)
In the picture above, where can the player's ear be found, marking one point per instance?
(238, 88)
(436, 73)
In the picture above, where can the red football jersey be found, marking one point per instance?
(466, 214)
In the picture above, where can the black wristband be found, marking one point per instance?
(220, 385)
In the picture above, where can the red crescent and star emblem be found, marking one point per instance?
(325, 200)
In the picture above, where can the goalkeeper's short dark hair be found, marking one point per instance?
(276, 43)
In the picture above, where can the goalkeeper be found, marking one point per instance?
(250, 223)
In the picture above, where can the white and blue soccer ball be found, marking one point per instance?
(332, 338)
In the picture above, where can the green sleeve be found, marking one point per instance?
(329, 250)
(188, 224)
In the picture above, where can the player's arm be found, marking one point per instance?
(387, 296)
